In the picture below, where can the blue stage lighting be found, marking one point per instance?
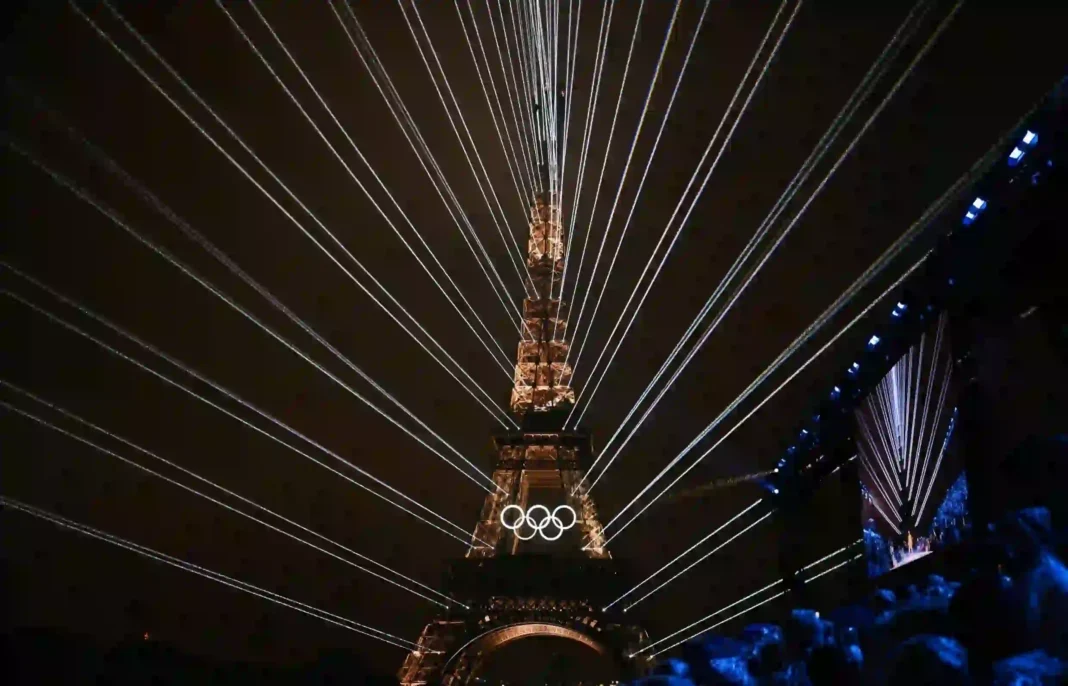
(872, 342)
(836, 393)
(804, 432)
(1015, 156)
(775, 491)
(977, 206)
(1030, 139)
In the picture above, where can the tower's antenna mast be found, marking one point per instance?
(550, 136)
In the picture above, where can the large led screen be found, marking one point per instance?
(913, 486)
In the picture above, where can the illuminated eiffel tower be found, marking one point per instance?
(527, 573)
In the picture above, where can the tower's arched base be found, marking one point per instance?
(454, 651)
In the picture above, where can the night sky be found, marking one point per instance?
(991, 65)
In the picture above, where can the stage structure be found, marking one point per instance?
(537, 565)
(997, 261)
(905, 425)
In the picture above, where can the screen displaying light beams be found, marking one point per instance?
(914, 492)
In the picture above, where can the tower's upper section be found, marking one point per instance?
(542, 373)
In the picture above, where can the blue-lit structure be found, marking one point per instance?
(1018, 186)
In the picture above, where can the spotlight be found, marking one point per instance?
(1030, 139)
(836, 393)
(853, 369)
(872, 342)
(977, 206)
(1015, 156)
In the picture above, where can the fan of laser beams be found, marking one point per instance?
(904, 427)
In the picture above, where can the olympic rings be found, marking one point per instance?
(538, 525)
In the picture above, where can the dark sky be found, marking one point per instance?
(994, 61)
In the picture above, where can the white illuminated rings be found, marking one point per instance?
(530, 521)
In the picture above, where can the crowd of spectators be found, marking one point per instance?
(1004, 623)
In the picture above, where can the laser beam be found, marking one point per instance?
(507, 147)
(200, 377)
(682, 555)
(188, 472)
(174, 103)
(600, 177)
(512, 248)
(591, 113)
(697, 561)
(326, 107)
(415, 139)
(893, 250)
(732, 605)
(716, 422)
(737, 120)
(145, 551)
(619, 189)
(828, 138)
(159, 250)
(519, 120)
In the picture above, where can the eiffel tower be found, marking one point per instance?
(525, 574)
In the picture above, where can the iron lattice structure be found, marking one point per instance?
(542, 373)
(518, 587)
